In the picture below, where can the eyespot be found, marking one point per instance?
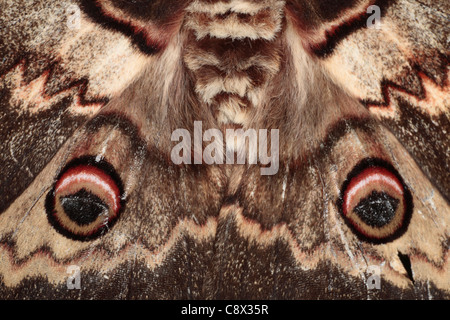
(86, 199)
(375, 202)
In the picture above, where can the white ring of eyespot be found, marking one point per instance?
(372, 178)
(90, 178)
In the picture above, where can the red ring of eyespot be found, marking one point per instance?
(101, 176)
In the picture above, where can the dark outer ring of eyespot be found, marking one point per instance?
(407, 200)
(99, 167)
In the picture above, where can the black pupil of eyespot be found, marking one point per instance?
(377, 209)
(83, 207)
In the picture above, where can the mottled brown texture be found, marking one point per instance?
(431, 151)
(224, 231)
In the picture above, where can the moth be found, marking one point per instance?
(93, 205)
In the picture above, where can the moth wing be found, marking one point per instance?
(67, 92)
(393, 56)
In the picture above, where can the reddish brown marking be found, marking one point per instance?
(79, 86)
(146, 35)
(388, 84)
(337, 33)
